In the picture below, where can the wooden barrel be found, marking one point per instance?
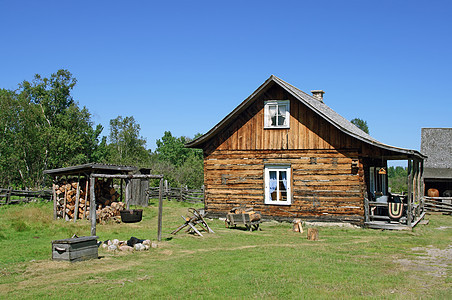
(433, 193)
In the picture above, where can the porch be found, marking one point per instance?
(385, 210)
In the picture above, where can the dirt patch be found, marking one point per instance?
(443, 227)
(433, 261)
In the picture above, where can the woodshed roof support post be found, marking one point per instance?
(159, 233)
(92, 206)
(77, 199)
(54, 200)
(127, 179)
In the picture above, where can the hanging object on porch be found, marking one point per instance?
(395, 210)
(382, 171)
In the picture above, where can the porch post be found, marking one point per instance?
(410, 189)
(366, 207)
(422, 186)
(418, 187)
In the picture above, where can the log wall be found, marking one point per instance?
(323, 184)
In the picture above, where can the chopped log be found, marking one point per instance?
(313, 234)
(297, 226)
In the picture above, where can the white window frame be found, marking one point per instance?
(269, 103)
(278, 168)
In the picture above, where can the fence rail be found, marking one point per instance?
(178, 194)
(10, 196)
(439, 204)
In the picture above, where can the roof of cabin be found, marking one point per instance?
(318, 106)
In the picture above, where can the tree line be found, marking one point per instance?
(398, 179)
(43, 127)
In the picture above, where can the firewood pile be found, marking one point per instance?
(66, 193)
(110, 212)
(106, 199)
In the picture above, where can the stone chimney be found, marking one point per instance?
(318, 94)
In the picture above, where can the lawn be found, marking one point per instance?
(273, 263)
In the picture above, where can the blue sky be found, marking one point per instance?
(184, 65)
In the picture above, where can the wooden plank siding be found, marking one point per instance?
(307, 130)
(323, 183)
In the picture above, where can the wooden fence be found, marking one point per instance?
(179, 194)
(439, 204)
(10, 196)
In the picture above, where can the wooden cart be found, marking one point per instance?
(249, 220)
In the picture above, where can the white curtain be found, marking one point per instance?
(273, 182)
(272, 115)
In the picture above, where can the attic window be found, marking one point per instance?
(277, 114)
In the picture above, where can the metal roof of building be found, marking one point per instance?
(318, 106)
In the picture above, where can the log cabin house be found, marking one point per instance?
(287, 154)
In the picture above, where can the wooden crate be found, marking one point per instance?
(75, 249)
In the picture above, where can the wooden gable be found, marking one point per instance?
(307, 129)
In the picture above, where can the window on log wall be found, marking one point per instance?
(277, 185)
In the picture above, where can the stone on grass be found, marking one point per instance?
(139, 247)
(112, 247)
(125, 248)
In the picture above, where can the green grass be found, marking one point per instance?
(272, 263)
